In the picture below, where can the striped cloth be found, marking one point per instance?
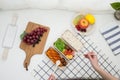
(112, 36)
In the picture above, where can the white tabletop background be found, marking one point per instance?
(58, 21)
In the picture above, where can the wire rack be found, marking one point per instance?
(79, 67)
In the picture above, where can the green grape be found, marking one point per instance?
(77, 19)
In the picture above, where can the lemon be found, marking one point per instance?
(90, 18)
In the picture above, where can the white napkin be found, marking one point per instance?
(111, 34)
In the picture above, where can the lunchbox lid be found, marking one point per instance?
(71, 40)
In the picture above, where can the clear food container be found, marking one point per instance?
(54, 56)
(64, 48)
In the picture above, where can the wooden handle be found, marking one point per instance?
(5, 54)
(27, 60)
(14, 19)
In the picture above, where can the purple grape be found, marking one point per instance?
(38, 32)
(28, 40)
(34, 37)
(32, 41)
(37, 36)
(30, 37)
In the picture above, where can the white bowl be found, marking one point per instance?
(89, 30)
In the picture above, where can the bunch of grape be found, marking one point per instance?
(33, 38)
(80, 29)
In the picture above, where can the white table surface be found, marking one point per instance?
(58, 21)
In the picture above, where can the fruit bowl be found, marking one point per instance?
(83, 24)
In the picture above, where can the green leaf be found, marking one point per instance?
(22, 35)
(116, 5)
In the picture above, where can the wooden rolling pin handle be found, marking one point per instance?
(5, 54)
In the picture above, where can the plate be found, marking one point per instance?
(89, 30)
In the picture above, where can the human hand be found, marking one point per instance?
(93, 59)
(52, 77)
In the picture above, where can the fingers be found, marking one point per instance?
(92, 58)
(52, 77)
(90, 55)
(86, 55)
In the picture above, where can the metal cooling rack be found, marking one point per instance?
(79, 67)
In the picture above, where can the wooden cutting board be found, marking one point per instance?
(29, 49)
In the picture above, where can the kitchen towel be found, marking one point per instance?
(79, 66)
(111, 34)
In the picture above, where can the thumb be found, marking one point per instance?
(90, 57)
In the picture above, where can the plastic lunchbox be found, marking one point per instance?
(66, 46)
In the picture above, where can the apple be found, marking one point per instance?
(83, 23)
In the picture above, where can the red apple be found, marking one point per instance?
(83, 23)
